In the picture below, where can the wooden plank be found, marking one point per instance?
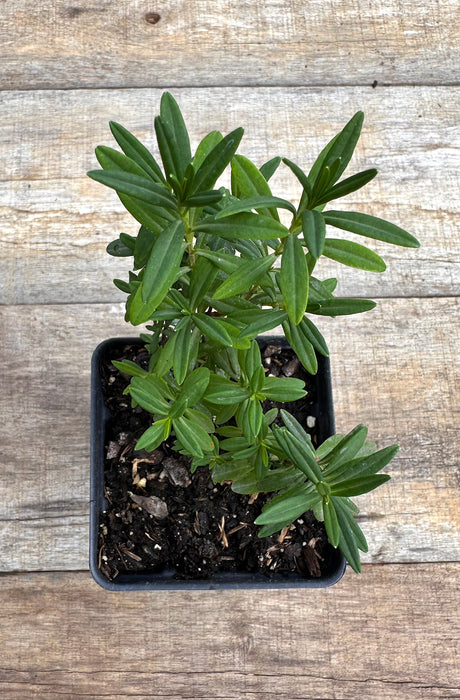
(56, 222)
(110, 44)
(391, 633)
(396, 369)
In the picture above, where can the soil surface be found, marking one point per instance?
(159, 516)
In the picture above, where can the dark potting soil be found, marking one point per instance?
(159, 516)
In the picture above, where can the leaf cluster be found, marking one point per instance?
(214, 267)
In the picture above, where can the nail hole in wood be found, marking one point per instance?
(152, 17)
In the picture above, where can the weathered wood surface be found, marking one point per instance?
(391, 633)
(110, 44)
(395, 369)
(56, 222)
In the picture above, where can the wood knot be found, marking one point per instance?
(152, 17)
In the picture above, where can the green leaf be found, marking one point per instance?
(147, 392)
(134, 149)
(192, 436)
(139, 187)
(163, 264)
(370, 226)
(118, 249)
(351, 184)
(289, 506)
(343, 307)
(362, 484)
(110, 159)
(172, 121)
(265, 320)
(191, 391)
(314, 232)
(364, 465)
(248, 226)
(301, 345)
(222, 391)
(124, 286)
(153, 436)
(248, 183)
(184, 349)
(224, 261)
(346, 449)
(294, 279)
(346, 510)
(300, 453)
(311, 334)
(143, 247)
(205, 147)
(283, 388)
(151, 216)
(211, 328)
(259, 203)
(341, 146)
(202, 277)
(201, 418)
(330, 522)
(353, 255)
(244, 277)
(130, 368)
(202, 199)
(348, 535)
(294, 426)
(216, 161)
(301, 176)
(269, 168)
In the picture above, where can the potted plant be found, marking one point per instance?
(201, 393)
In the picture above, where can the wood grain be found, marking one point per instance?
(56, 223)
(110, 44)
(395, 369)
(391, 633)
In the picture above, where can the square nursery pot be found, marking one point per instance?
(322, 410)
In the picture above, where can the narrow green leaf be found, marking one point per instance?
(183, 350)
(341, 146)
(192, 436)
(300, 175)
(202, 199)
(202, 277)
(294, 279)
(258, 203)
(152, 437)
(163, 264)
(365, 464)
(130, 368)
(216, 161)
(288, 506)
(224, 261)
(191, 391)
(205, 146)
(351, 184)
(134, 149)
(269, 168)
(110, 159)
(362, 484)
(146, 392)
(343, 307)
(353, 255)
(301, 345)
(152, 216)
(294, 427)
(314, 232)
(346, 510)
(178, 138)
(265, 320)
(311, 334)
(370, 226)
(248, 183)
(244, 277)
(212, 329)
(139, 187)
(283, 388)
(222, 391)
(299, 452)
(347, 448)
(248, 226)
(330, 522)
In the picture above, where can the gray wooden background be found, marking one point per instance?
(292, 73)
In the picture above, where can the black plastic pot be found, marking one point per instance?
(166, 580)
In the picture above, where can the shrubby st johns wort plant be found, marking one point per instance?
(214, 268)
